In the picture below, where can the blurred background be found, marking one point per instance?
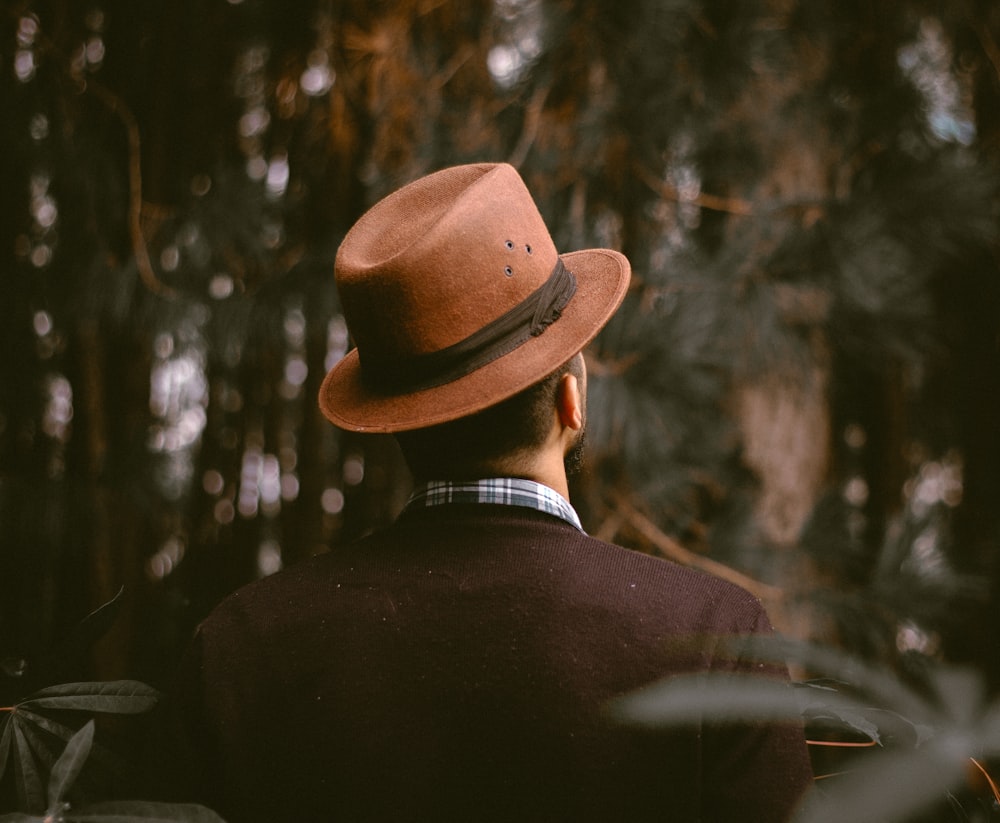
(801, 392)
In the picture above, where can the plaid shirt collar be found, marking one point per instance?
(506, 491)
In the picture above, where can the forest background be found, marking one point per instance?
(801, 392)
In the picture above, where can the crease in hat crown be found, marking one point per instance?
(437, 261)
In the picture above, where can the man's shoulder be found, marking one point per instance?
(537, 549)
(549, 546)
(530, 550)
(684, 588)
(295, 588)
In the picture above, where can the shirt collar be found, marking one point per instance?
(506, 491)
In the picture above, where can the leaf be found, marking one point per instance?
(893, 787)
(847, 716)
(95, 624)
(129, 811)
(41, 753)
(899, 730)
(720, 697)
(43, 747)
(64, 733)
(61, 660)
(877, 682)
(961, 691)
(99, 755)
(67, 768)
(991, 731)
(825, 684)
(29, 783)
(6, 740)
(114, 697)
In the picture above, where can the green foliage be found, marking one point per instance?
(40, 715)
(117, 697)
(65, 771)
(30, 739)
(45, 744)
(926, 732)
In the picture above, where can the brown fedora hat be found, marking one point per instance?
(457, 299)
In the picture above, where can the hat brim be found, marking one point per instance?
(602, 277)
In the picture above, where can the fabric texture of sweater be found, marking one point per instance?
(457, 666)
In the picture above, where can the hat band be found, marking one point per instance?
(528, 319)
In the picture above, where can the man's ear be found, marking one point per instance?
(569, 402)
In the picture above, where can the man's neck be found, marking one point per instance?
(536, 466)
(546, 467)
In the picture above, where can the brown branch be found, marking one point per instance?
(451, 68)
(609, 527)
(607, 367)
(532, 120)
(673, 550)
(713, 202)
(135, 211)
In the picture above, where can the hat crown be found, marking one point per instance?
(440, 259)
(457, 299)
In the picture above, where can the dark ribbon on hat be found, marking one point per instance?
(527, 319)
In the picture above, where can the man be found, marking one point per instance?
(458, 665)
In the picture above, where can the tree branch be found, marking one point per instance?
(139, 247)
(532, 120)
(673, 550)
(730, 205)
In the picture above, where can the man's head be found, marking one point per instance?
(458, 301)
(505, 439)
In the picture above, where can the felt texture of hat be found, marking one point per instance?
(437, 261)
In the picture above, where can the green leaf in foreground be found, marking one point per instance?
(67, 768)
(126, 812)
(56, 729)
(28, 781)
(893, 788)
(134, 811)
(722, 698)
(113, 697)
(6, 740)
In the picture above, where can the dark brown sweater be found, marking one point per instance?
(456, 667)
